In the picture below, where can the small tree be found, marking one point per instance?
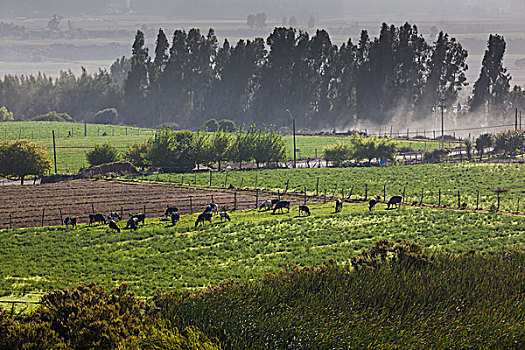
(106, 116)
(101, 154)
(53, 117)
(227, 125)
(5, 115)
(482, 142)
(200, 148)
(268, 146)
(219, 147)
(211, 125)
(468, 147)
(21, 158)
(337, 153)
(136, 154)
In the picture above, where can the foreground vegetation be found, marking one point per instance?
(391, 296)
(253, 244)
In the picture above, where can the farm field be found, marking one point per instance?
(71, 149)
(79, 198)
(467, 178)
(251, 245)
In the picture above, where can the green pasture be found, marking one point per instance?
(159, 256)
(72, 144)
(467, 178)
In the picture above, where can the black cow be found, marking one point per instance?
(132, 224)
(224, 215)
(114, 216)
(338, 205)
(69, 220)
(170, 210)
(372, 203)
(175, 217)
(304, 209)
(94, 218)
(206, 216)
(212, 208)
(141, 217)
(113, 225)
(281, 205)
(395, 200)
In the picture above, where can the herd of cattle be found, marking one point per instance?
(173, 213)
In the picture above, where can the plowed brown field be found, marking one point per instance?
(78, 198)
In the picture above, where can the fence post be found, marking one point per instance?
(210, 178)
(384, 193)
(10, 220)
(477, 201)
(421, 200)
(121, 212)
(144, 212)
(497, 209)
(459, 200)
(212, 200)
(255, 181)
(366, 192)
(195, 179)
(324, 201)
(317, 188)
(279, 195)
(61, 219)
(191, 206)
(92, 208)
(225, 180)
(43, 213)
(404, 189)
(518, 208)
(235, 200)
(242, 181)
(182, 180)
(439, 198)
(304, 195)
(256, 198)
(287, 183)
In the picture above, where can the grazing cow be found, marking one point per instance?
(275, 201)
(338, 205)
(266, 205)
(170, 210)
(141, 217)
(225, 216)
(114, 216)
(395, 200)
(212, 208)
(206, 216)
(132, 224)
(281, 205)
(304, 209)
(113, 225)
(372, 203)
(94, 218)
(69, 220)
(175, 218)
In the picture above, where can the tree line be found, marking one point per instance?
(360, 148)
(183, 150)
(190, 79)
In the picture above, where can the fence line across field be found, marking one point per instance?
(55, 214)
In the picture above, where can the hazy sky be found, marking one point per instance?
(239, 8)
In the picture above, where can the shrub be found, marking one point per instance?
(435, 155)
(468, 147)
(101, 154)
(5, 115)
(53, 117)
(211, 125)
(136, 154)
(337, 154)
(510, 142)
(106, 116)
(482, 142)
(227, 125)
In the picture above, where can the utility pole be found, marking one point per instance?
(442, 106)
(294, 146)
(55, 152)
(520, 121)
(516, 120)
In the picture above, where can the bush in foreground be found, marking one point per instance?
(101, 154)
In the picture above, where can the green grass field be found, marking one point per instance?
(251, 245)
(72, 145)
(467, 178)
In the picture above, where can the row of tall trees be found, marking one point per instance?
(190, 78)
